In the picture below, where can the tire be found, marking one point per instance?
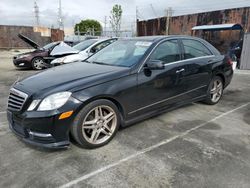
(37, 63)
(92, 129)
(215, 91)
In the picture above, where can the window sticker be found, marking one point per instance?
(144, 44)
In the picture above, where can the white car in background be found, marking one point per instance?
(86, 49)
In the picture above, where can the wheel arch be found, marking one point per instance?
(37, 57)
(221, 75)
(110, 98)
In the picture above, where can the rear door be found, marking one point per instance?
(197, 58)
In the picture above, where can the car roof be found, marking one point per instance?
(159, 37)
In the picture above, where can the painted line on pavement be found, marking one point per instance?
(166, 141)
(242, 72)
(3, 112)
(3, 124)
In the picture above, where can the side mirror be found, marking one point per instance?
(155, 65)
(90, 53)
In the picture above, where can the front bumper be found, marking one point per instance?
(43, 129)
(22, 63)
(39, 131)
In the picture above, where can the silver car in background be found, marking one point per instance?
(86, 49)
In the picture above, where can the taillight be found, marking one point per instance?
(229, 61)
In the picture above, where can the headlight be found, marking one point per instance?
(23, 56)
(54, 101)
(33, 105)
(58, 60)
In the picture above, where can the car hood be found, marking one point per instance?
(28, 53)
(29, 41)
(70, 59)
(63, 49)
(69, 77)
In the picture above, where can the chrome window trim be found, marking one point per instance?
(164, 100)
(140, 68)
(184, 60)
(211, 53)
(145, 60)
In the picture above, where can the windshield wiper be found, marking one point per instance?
(85, 61)
(99, 63)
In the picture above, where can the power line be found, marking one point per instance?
(152, 7)
(205, 7)
(205, 4)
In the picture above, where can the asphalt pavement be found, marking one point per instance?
(194, 146)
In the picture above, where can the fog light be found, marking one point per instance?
(43, 135)
(66, 114)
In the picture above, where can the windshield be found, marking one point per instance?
(48, 46)
(124, 53)
(85, 44)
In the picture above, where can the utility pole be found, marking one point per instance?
(36, 10)
(60, 18)
(169, 13)
(132, 29)
(78, 32)
(136, 21)
(105, 26)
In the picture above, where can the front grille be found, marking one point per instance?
(16, 99)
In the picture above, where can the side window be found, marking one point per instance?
(100, 46)
(167, 52)
(194, 48)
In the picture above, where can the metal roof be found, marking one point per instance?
(155, 38)
(218, 27)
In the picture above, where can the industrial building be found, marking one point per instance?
(221, 37)
(42, 35)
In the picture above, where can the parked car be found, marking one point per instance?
(235, 53)
(126, 82)
(42, 56)
(86, 49)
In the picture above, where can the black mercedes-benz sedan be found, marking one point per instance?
(128, 81)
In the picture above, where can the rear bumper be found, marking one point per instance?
(228, 77)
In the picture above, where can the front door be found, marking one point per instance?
(158, 88)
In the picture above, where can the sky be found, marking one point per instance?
(21, 12)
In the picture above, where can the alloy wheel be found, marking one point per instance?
(216, 91)
(38, 64)
(99, 124)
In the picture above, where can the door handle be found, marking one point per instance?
(179, 71)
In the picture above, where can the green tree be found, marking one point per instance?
(115, 19)
(88, 26)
